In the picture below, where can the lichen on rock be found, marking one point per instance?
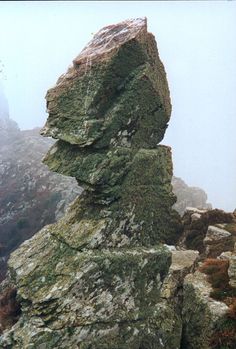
(93, 279)
(201, 314)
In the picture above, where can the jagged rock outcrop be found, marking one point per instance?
(93, 280)
(103, 276)
(188, 196)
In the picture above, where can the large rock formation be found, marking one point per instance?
(103, 277)
(93, 280)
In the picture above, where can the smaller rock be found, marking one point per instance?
(183, 263)
(170, 247)
(217, 240)
(195, 210)
(232, 268)
(184, 259)
(225, 255)
(195, 216)
(201, 313)
(231, 257)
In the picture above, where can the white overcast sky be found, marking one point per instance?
(197, 44)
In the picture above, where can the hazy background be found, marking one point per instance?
(197, 44)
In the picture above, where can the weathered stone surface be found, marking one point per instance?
(217, 240)
(115, 93)
(81, 288)
(143, 201)
(153, 333)
(232, 270)
(93, 279)
(232, 267)
(87, 295)
(131, 177)
(201, 314)
(183, 262)
(195, 210)
(196, 223)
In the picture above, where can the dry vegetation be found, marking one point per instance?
(9, 309)
(217, 275)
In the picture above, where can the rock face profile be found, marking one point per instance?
(93, 279)
(109, 112)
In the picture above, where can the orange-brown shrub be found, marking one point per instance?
(9, 308)
(232, 309)
(225, 339)
(217, 274)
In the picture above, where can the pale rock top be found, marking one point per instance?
(109, 38)
(214, 233)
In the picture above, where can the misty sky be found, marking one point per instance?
(197, 44)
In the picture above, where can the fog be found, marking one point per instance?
(196, 42)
